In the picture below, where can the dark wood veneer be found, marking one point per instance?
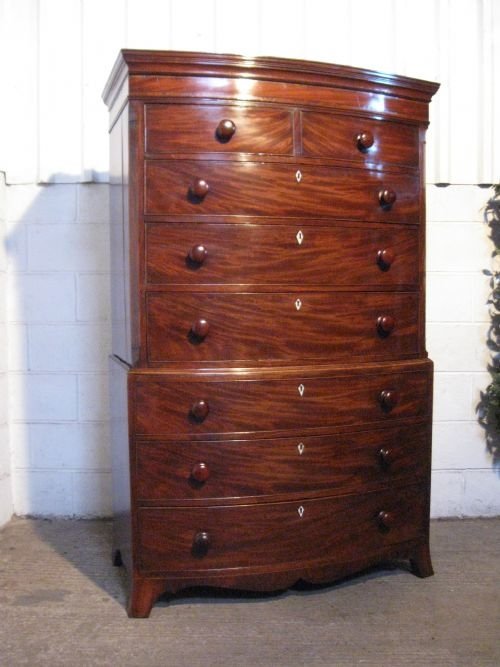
(290, 325)
(163, 406)
(358, 139)
(281, 254)
(242, 188)
(344, 462)
(172, 128)
(277, 535)
(271, 392)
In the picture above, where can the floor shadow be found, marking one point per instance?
(213, 595)
(86, 544)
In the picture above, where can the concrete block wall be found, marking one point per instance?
(465, 481)
(6, 504)
(59, 339)
(57, 242)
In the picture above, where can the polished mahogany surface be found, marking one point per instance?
(353, 461)
(164, 407)
(205, 128)
(307, 253)
(279, 535)
(365, 142)
(298, 325)
(242, 188)
(268, 321)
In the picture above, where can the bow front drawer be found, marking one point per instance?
(281, 535)
(337, 464)
(301, 254)
(213, 187)
(170, 409)
(281, 326)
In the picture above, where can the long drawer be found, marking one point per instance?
(284, 326)
(338, 464)
(273, 189)
(169, 407)
(183, 128)
(279, 535)
(190, 253)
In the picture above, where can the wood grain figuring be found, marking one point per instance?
(243, 188)
(330, 135)
(280, 254)
(290, 325)
(269, 287)
(162, 407)
(275, 534)
(332, 464)
(361, 102)
(176, 128)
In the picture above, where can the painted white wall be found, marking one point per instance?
(58, 54)
(53, 132)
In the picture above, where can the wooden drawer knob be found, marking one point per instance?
(200, 472)
(199, 188)
(201, 543)
(386, 197)
(198, 254)
(225, 129)
(200, 328)
(385, 520)
(385, 325)
(200, 410)
(385, 457)
(385, 258)
(389, 399)
(364, 140)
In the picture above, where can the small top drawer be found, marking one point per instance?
(362, 140)
(181, 128)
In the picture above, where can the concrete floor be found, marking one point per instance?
(62, 603)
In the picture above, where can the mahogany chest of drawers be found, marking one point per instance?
(271, 392)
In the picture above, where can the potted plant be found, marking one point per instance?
(489, 405)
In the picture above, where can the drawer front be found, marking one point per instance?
(181, 128)
(175, 408)
(279, 535)
(340, 464)
(285, 326)
(359, 139)
(279, 254)
(253, 188)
